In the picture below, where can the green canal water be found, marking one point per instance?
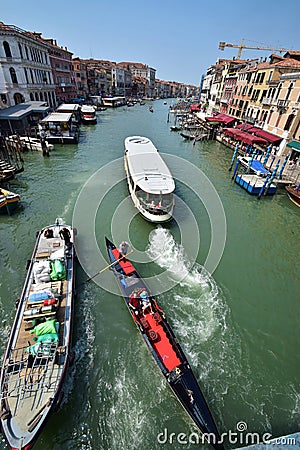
(239, 326)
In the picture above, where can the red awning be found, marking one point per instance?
(268, 136)
(243, 136)
(212, 119)
(271, 138)
(221, 118)
(195, 107)
(244, 126)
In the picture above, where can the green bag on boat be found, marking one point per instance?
(58, 271)
(47, 338)
(47, 327)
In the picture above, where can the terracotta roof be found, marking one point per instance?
(293, 52)
(262, 65)
(134, 64)
(288, 62)
(274, 55)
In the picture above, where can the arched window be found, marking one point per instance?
(278, 91)
(289, 91)
(289, 121)
(13, 75)
(26, 51)
(49, 99)
(41, 97)
(31, 97)
(36, 97)
(18, 98)
(26, 75)
(7, 49)
(20, 50)
(45, 96)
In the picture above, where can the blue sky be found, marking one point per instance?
(178, 38)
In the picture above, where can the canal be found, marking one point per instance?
(238, 325)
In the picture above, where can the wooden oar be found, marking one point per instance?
(107, 267)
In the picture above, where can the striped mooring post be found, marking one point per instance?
(234, 156)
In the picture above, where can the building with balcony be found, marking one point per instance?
(25, 68)
(62, 69)
(80, 75)
(141, 71)
(284, 118)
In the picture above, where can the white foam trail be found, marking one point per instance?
(197, 303)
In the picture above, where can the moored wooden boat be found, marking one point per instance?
(8, 201)
(162, 344)
(294, 194)
(34, 368)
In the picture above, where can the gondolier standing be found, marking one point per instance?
(124, 247)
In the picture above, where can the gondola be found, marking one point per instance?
(38, 349)
(162, 343)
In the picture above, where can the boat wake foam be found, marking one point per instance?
(199, 308)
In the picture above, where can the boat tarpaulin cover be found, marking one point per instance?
(258, 166)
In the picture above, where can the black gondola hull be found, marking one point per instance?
(180, 378)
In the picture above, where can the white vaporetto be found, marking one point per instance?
(150, 182)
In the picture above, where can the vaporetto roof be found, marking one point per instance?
(87, 109)
(146, 166)
(58, 117)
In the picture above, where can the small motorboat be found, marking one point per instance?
(162, 343)
(8, 201)
(150, 109)
(294, 194)
(38, 350)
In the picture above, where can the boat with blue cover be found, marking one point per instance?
(253, 165)
(162, 343)
(38, 350)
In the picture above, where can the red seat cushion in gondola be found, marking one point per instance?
(124, 263)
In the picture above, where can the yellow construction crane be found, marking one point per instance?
(222, 46)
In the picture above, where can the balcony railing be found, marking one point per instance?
(266, 100)
(283, 103)
(224, 100)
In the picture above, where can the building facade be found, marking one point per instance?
(62, 69)
(25, 69)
